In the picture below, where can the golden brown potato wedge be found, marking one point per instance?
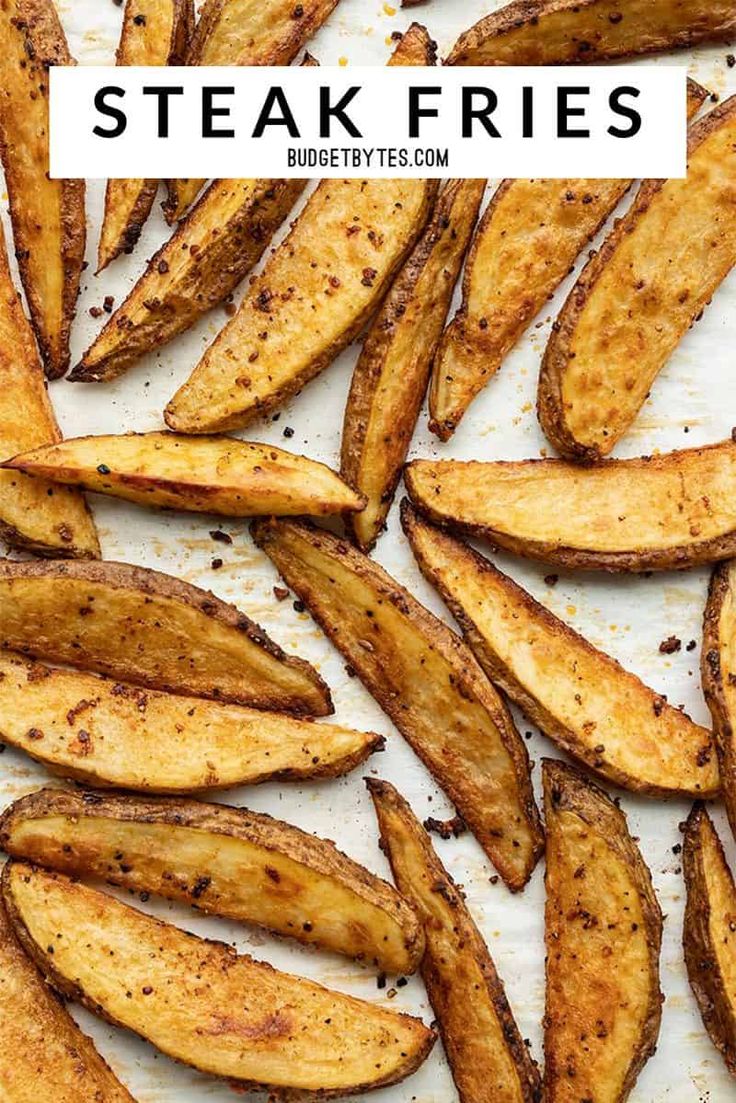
(200, 1002)
(151, 629)
(563, 32)
(578, 696)
(315, 294)
(240, 32)
(391, 375)
(226, 861)
(202, 263)
(663, 512)
(102, 732)
(638, 296)
(47, 215)
(154, 32)
(708, 935)
(603, 931)
(428, 683)
(487, 1055)
(44, 1054)
(718, 675)
(34, 514)
(221, 475)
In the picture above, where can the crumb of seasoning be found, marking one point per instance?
(280, 593)
(730, 60)
(381, 980)
(670, 645)
(108, 303)
(216, 564)
(103, 469)
(288, 432)
(445, 828)
(220, 537)
(299, 606)
(95, 312)
(551, 579)
(691, 645)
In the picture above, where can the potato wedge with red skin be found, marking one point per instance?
(603, 932)
(222, 475)
(718, 674)
(487, 1055)
(665, 512)
(106, 733)
(708, 937)
(226, 861)
(426, 680)
(200, 1002)
(148, 628)
(240, 32)
(154, 32)
(391, 375)
(639, 294)
(44, 1054)
(581, 698)
(566, 32)
(314, 296)
(49, 228)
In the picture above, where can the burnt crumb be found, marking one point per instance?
(670, 645)
(446, 829)
(140, 21)
(551, 579)
(280, 593)
(108, 303)
(216, 564)
(677, 848)
(299, 606)
(103, 469)
(658, 705)
(730, 60)
(163, 267)
(220, 537)
(288, 432)
(95, 312)
(381, 980)
(200, 886)
(691, 645)
(298, 12)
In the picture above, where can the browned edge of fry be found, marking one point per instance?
(711, 676)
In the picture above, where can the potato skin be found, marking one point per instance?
(563, 32)
(716, 672)
(711, 899)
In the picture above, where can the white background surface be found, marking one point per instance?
(692, 402)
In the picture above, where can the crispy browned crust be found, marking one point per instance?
(716, 635)
(109, 910)
(598, 30)
(466, 981)
(413, 312)
(566, 790)
(39, 39)
(149, 585)
(550, 406)
(450, 770)
(321, 867)
(701, 955)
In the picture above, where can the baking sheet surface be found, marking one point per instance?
(693, 402)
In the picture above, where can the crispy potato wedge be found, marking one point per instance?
(315, 294)
(638, 296)
(151, 629)
(94, 730)
(220, 475)
(239, 32)
(663, 512)
(708, 935)
(226, 861)
(44, 1054)
(34, 514)
(578, 696)
(202, 263)
(391, 375)
(426, 680)
(200, 1002)
(563, 32)
(487, 1055)
(603, 931)
(48, 215)
(154, 32)
(718, 675)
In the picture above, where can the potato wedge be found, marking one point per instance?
(225, 861)
(154, 32)
(315, 294)
(428, 683)
(487, 1055)
(239, 32)
(151, 629)
(718, 675)
(44, 1054)
(220, 475)
(202, 263)
(563, 32)
(47, 215)
(94, 730)
(638, 296)
(200, 1002)
(391, 375)
(708, 935)
(578, 696)
(34, 514)
(663, 512)
(603, 931)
